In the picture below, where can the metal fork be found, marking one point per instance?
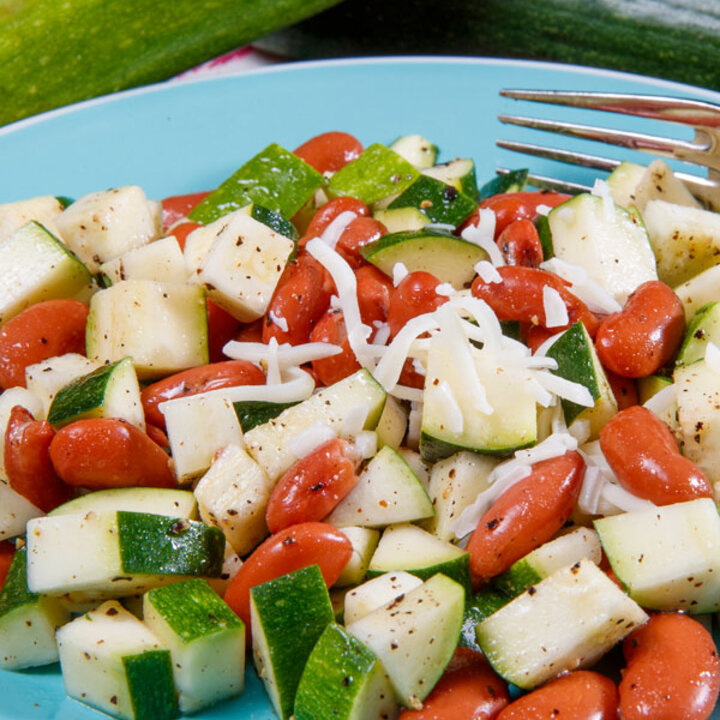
(703, 150)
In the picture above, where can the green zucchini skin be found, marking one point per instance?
(53, 54)
(668, 41)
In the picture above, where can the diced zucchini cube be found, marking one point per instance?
(36, 266)
(110, 391)
(440, 202)
(163, 327)
(567, 621)
(160, 261)
(15, 511)
(415, 636)
(111, 661)
(115, 554)
(667, 557)
(343, 680)
(377, 174)
(205, 638)
(275, 178)
(233, 495)
(241, 264)
(43, 209)
(27, 621)
(375, 593)
(364, 542)
(288, 615)
(198, 427)
(102, 225)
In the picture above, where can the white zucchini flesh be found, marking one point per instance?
(102, 225)
(668, 557)
(233, 495)
(15, 512)
(160, 261)
(198, 427)
(42, 209)
(376, 593)
(94, 652)
(364, 542)
(415, 636)
(567, 621)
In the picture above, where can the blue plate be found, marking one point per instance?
(184, 137)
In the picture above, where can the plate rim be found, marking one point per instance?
(289, 67)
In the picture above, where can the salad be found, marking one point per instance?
(411, 446)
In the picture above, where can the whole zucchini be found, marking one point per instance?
(56, 52)
(678, 40)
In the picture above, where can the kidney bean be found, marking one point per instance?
(7, 551)
(374, 289)
(222, 328)
(27, 461)
(578, 695)
(250, 332)
(331, 329)
(328, 212)
(645, 334)
(624, 389)
(313, 486)
(44, 330)
(106, 453)
(310, 543)
(520, 297)
(229, 373)
(526, 515)
(655, 469)
(520, 244)
(360, 232)
(330, 151)
(672, 671)
(415, 295)
(468, 690)
(301, 298)
(509, 207)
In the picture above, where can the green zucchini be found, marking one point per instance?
(53, 55)
(678, 41)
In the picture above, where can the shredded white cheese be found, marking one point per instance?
(602, 190)
(286, 355)
(278, 320)
(583, 286)
(543, 210)
(556, 314)
(336, 228)
(366, 444)
(302, 444)
(445, 290)
(487, 272)
(400, 272)
(483, 235)
(354, 421)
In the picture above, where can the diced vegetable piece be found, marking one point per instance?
(379, 591)
(15, 511)
(233, 495)
(239, 261)
(199, 426)
(112, 662)
(156, 501)
(567, 621)
(408, 547)
(699, 290)
(605, 240)
(102, 225)
(566, 549)
(377, 174)
(440, 202)
(703, 328)
(110, 391)
(458, 173)
(163, 327)
(387, 491)
(668, 557)
(417, 150)
(274, 178)
(114, 554)
(364, 541)
(43, 209)
(415, 636)
(343, 680)
(205, 638)
(27, 621)
(270, 444)
(36, 266)
(160, 261)
(288, 615)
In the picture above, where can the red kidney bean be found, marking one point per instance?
(645, 334)
(526, 515)
(672, 671)
(360, 232)
(654, 469)
(520, 244)
(331, 329)
(330, 151)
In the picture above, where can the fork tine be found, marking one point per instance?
(566, 156)
(654, 144)
(680, 110)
